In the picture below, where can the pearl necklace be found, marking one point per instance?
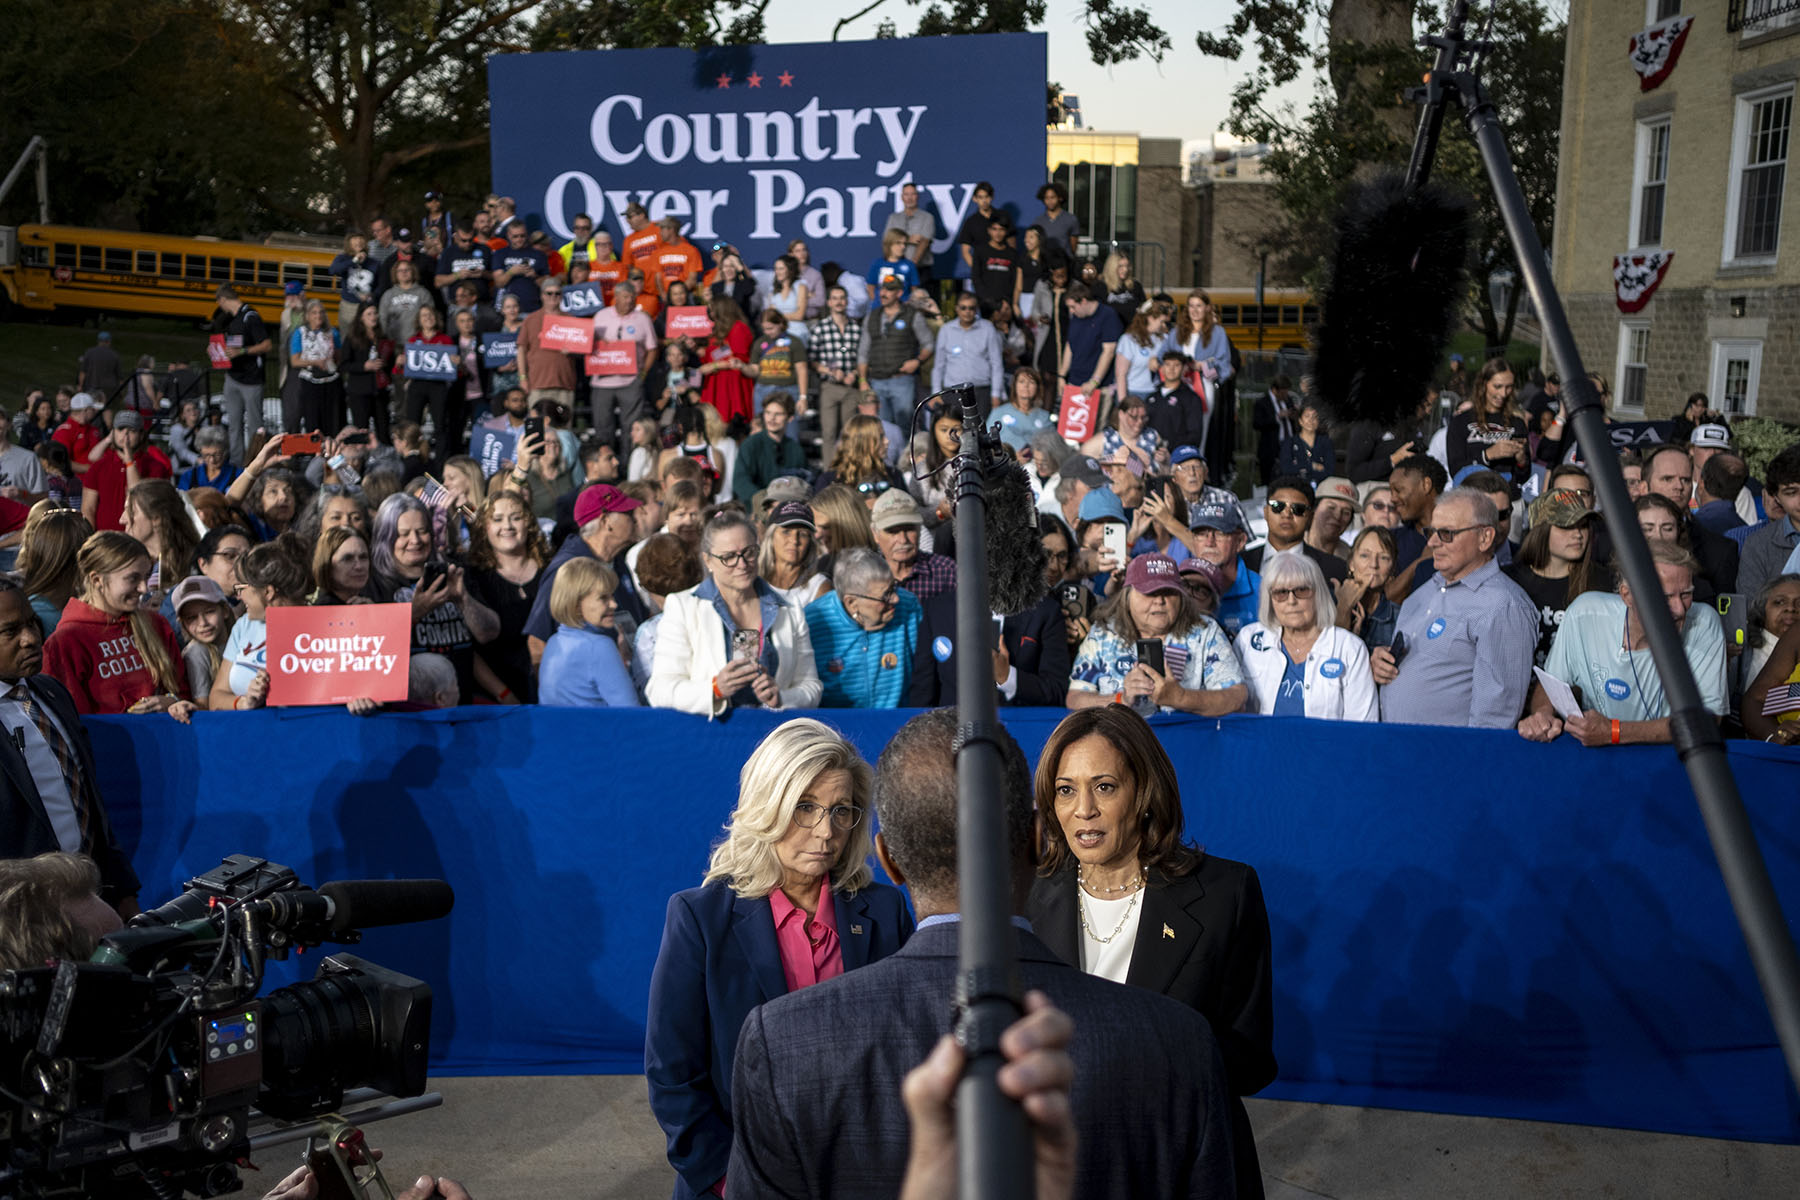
(1130, 885)
(1117, 929)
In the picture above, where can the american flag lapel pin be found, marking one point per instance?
(856, 929)
(1168, 933)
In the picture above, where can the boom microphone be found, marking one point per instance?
(1015, 546)
(1391, 303)
(366, 903)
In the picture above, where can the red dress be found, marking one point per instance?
(729, 390)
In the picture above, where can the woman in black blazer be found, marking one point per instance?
(797, 844)
(1122, 895)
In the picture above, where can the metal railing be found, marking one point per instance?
(1766, 14)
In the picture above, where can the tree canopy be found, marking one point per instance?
(1358, 118)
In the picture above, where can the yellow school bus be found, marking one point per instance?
(45, 268)
(1288, 315)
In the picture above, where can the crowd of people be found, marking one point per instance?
(659, 531)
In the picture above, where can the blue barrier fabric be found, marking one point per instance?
(1463, 922)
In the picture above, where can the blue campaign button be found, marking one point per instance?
(1258, 641)
(1618, 689)
(940, 649)
(955, 350)
(1332, 668)
(1436, 628)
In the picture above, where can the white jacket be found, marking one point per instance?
(690, 650)
(1338, 684)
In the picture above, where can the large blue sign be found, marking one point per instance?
(758, 145)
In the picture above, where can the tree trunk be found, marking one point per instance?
(1366, 40)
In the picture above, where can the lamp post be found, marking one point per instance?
(1262, 276)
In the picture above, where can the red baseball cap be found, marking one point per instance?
(1152, 573)
(598, 498)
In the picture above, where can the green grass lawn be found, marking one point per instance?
(38, 354)
(1472, 346)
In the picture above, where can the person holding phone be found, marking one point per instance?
(1299, 663)
(447, 620)
(695, 670)
(539, 476)
(1201, 674)
(1102, 541)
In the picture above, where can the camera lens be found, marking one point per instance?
(357, 1025)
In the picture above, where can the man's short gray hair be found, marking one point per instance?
(858, 570)
(1481, 505)
(429, 677)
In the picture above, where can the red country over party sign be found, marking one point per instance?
(335, 653)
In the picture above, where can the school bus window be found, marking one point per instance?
(34, 256)
(146, 262)
(88, 257)
(219, 269)
(171, 266)
(1290, 314)
(321, 279)
(293, 271)
(268, 273)
(65, 254)
(118, 259)
(196, 267)
(1228, 314)
(244, 271)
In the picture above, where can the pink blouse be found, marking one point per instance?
(810, 951)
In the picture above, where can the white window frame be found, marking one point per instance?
(1628, 327)
(1640, 168)
(1740, 154)
(1723, 351)
(1650, 17)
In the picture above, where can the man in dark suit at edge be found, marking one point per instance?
(1031, 664)
(818, 1072)
(49, 794)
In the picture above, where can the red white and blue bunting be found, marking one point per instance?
(1637, 276)
(1654, 51)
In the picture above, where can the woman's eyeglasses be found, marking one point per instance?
(1281, 595)
(844, 817)
(874, 487)
(1380, 506)
(887, 599)
(738, 558)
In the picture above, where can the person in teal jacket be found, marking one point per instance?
(864, 634)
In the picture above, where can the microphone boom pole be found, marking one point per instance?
(1695, 732)
(993, 1143)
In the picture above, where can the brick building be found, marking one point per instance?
(1129, 191)
(1695, 166)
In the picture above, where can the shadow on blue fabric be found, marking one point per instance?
(1463, 922)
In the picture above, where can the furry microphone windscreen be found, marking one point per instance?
(1015, 547)
(1394, 297)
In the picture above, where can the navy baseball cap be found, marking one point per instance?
(1183, 454)
(1216, 514)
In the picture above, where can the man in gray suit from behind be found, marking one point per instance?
(817, 1077)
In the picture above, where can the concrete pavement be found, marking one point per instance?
(591, 1137)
